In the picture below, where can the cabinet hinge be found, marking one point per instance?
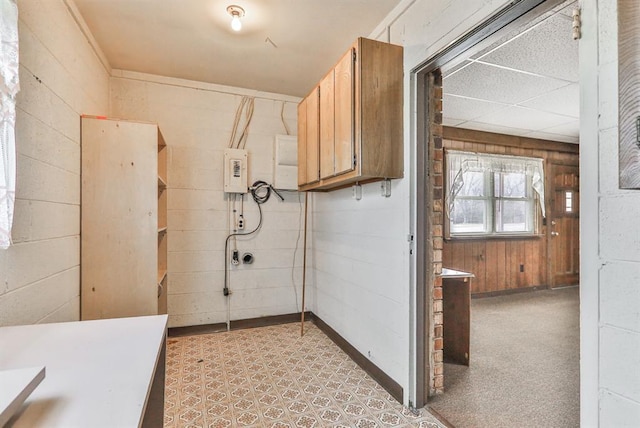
(355, 56)
(355, 161)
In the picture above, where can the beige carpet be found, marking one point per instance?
(271, 377)
(524, 370)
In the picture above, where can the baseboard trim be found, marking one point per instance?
(236, 325)
(440, 418)
(390, 385)
(509, 291)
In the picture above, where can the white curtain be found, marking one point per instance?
(9, 87)
(461, 162)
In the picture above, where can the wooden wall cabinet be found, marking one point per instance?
(308, 139)
(350, 125)
(123, 219)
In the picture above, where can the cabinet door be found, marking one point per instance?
(344, 114)
(327, 141)
(313, 137)
(302, 142)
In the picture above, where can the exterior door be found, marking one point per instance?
(563, 225)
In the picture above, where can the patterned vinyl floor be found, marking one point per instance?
(271, 377)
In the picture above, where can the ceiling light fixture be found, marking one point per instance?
(236, 13)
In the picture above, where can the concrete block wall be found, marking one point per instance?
(61, 77)
(610, 237)
(196, 120)
(362, 266)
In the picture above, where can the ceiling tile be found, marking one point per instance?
(487, 127)
(454, 107)
(447, 121)
(547, 49)
(524, 118)
(564, 101)
(486, 82)
(571, 129)
(552, 137)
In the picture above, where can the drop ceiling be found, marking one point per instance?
(525, 85)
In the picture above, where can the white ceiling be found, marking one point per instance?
(192, 39)
(526, 85)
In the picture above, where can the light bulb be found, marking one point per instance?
(236, 24)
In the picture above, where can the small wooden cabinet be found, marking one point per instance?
(350, 125)
(123, 219)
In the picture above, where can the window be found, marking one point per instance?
(9, 87)
(492, 194)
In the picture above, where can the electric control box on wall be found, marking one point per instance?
(235, 171)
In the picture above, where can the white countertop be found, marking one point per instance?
(15, 386)
(98, 373)
(451, 273)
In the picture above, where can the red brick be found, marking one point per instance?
(436, 218)
(437, 331)
(438, 370)
(437, 268)
(437, 344)
(437, 356)
(439, 381)
(437, 293)
(437, 282)
(437, 319)
(437, 306)
(436, 166)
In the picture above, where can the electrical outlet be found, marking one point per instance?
(240, 224)
(521, 268)
(235, 258)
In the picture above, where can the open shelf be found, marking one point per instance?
(162, 274)
(161, 183)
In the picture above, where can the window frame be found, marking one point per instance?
(492, 203)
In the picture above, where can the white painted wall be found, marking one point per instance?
(61, 77)
(610, 238)
(196, 120)
(360, 250)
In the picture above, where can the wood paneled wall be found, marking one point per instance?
(510, 263)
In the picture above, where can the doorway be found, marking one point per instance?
(431, 211)
(564, 221)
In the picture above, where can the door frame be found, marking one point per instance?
(424, 75)
(551, 216)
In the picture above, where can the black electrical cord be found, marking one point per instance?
(260, 192)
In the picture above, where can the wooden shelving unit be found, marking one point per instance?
(162, 225)
(124, 219)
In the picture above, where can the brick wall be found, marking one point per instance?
(435, 213)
